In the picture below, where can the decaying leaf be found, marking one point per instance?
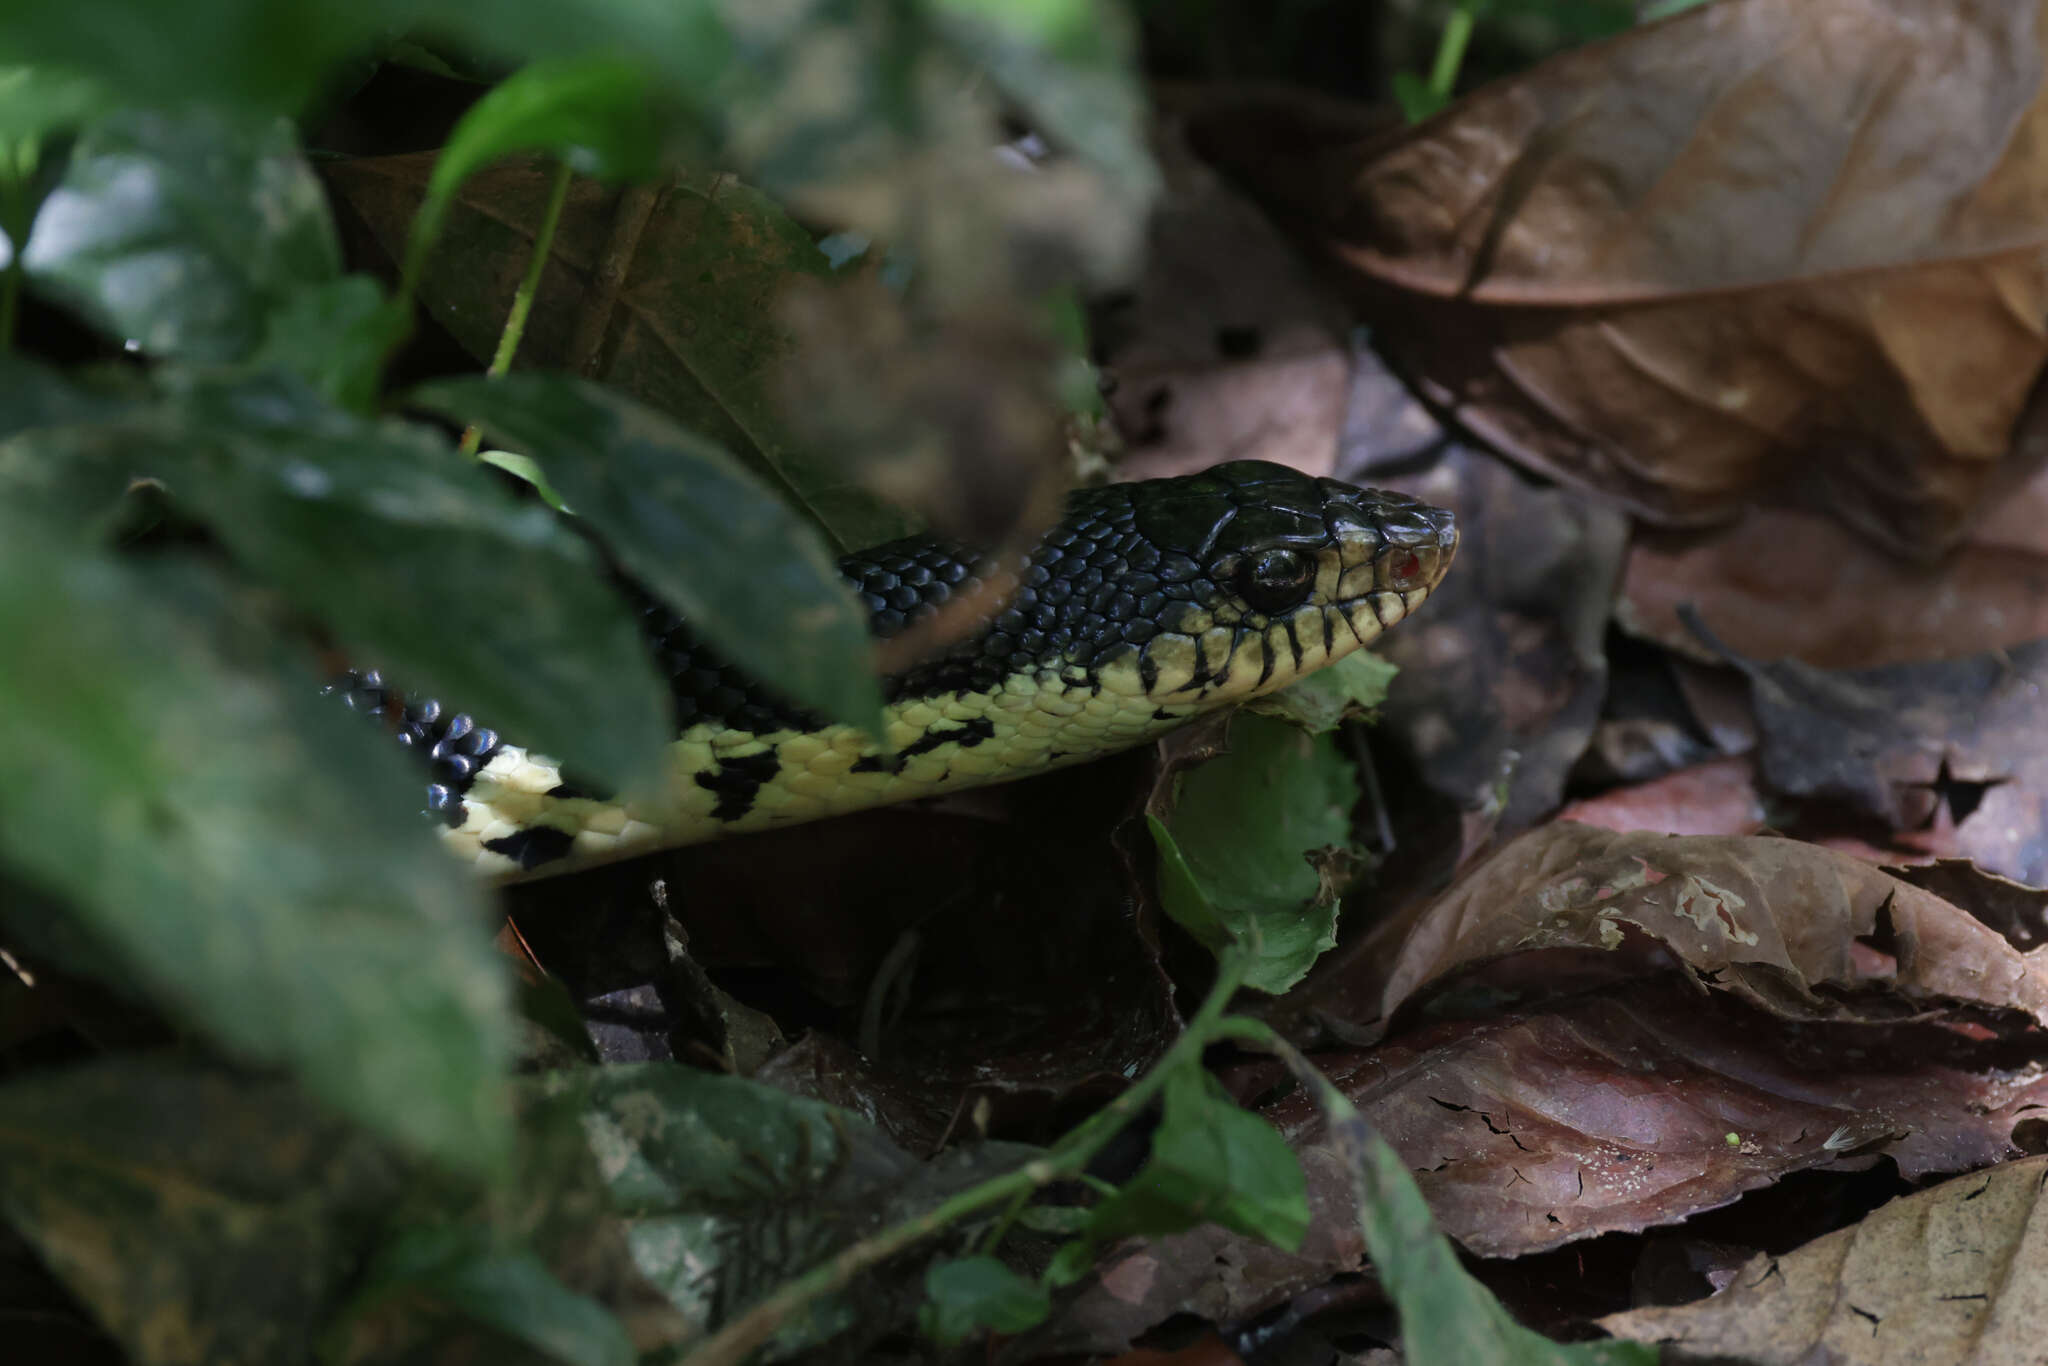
(1645, 1105)
(1783, 248)
(670, 295)
(1907, 742)
(1773, 922)
(1953, 1274)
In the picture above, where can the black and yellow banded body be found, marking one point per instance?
(1147, 605)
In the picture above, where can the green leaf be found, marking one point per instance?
(1211, 1163)
(969, 1295)
(422, 566)
(1245, 843)
(201, 1217)
(598, 113)
(241, 844)
(334, 335)
(510, 1290)
(246, 54)
(686, 521)
(1417, 98)
(1352, 688)
(181, 233)
(728, 1187)
(35, 103)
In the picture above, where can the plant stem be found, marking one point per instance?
(733, 1343)
(522, 299)
(1450, 51)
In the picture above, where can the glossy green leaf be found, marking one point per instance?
(1211, 1163)
(685, 520)
(423, 567)
(180, 233)
(201, 1217)
(242, 843)
(455, 1268)
(970, 1295)
(598, 113)
(1252, 846)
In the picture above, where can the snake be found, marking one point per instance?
(1148, 604)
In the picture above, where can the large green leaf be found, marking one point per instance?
(1253, 846)
(420, 564)
(244, 845)
(200, 1217)
(249, 54)
(180, 233)
(695, 528)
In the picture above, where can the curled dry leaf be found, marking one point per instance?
(1788, 248)
(1953, 1274)
(1773, 922)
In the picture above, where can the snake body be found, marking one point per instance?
(1148, 604)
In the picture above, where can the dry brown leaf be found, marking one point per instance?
(1644, 1106)
(1791, 248)
(1785, 584)
(1957, 1274)
(1774, 922)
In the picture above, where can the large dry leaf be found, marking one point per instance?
(1778, 924)
(1956, 1274)
(1644, 1106)
(1771, 247)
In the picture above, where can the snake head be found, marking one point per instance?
(1278, 574)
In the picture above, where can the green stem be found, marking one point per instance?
(1450, 51)
(733, 1343)
(522, 299)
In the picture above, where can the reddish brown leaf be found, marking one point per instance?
(1616, 1112)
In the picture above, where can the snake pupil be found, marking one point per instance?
(1275, 580)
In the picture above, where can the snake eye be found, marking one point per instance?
(1275, 580)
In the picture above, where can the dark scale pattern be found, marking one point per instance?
(453, 745)
(1126, 563)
